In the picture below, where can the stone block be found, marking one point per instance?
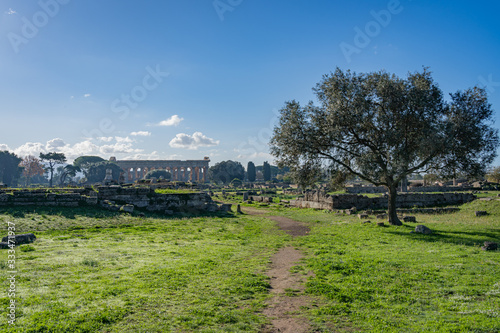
(127, 208)
(21, 239)
(422, 229)
(362, 216)
(489, 246)
(409, 219)
(481, 213)
(225, 207)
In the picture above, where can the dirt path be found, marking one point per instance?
(284, 308)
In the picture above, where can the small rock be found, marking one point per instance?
(481, 213)
(363, 216)
(382, 216)
(409, 219)
(422, 229)
(238, 210)
(365, 222)
(20, 239)
(225, 207)
(127, 209)
(489, 246)
(380, 224)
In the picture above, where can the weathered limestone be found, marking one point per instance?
(113, 198)
(422, 229)
(225, 207)
(319, 200)
(20, 239)
(127, 208)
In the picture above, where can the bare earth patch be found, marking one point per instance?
(284, 308)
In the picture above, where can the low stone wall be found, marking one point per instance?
(319, 200)
(365, 189)
(413, 189)
(440, 188)
(110, 197)
(147, 198)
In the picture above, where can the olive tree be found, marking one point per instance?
(383, 128)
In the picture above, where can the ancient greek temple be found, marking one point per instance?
(191, 170)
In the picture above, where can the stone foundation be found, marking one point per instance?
(318, 200)
(111, 196)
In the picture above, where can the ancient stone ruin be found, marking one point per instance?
(113, 197)
(321, 200)
(191, 170)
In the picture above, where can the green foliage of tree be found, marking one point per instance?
(52, 159)
(338, 179)
(236, 182)
(85, 162)
(382, 128)
(266, 171)
(9, 168)
(224, 172)
(251, 172)
(157, 174)
(494, 175)
(97, 171)
(68, 172)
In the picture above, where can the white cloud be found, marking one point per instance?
(119, 148)
(193, 142)
(4, 147)
(126, 139)
(30, 148)
(55, 144)
(172, 121)
(11, 12)
(106, 139)
(86, 95)
(141, 133)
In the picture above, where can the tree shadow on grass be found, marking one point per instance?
(469, 238)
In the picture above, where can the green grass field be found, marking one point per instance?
(96, 271)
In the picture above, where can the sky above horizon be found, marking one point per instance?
(182, 80)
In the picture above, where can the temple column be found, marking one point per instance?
(204, 174)
(197, 170)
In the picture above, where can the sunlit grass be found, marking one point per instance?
(122, 273)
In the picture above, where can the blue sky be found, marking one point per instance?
(184, 79)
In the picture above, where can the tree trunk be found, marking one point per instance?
(393, 216)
